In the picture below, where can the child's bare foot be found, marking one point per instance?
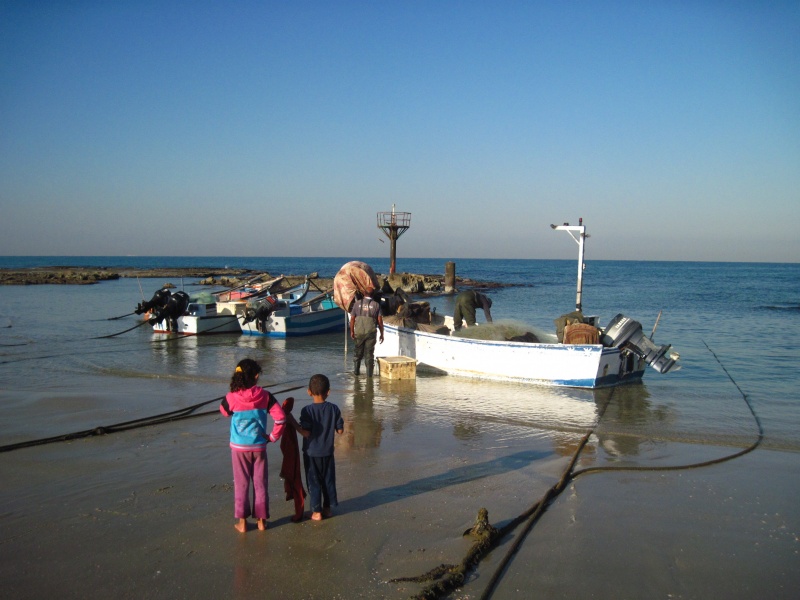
(326, 512)
(316, 516)
(241, 525)
(262, 524)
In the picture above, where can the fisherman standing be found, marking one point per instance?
(466, 303)
(365, 320)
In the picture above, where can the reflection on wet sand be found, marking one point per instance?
(362, 427)
(515, 412)
(628, 416)
(365, 414)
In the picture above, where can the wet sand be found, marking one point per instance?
(148, 514)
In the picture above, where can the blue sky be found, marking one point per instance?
(281, 128)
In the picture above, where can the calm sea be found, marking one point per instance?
(56, 377)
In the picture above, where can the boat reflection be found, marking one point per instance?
(500, 414)
(630, 420)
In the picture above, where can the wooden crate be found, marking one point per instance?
(397, 367)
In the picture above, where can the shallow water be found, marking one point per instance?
(741, 313)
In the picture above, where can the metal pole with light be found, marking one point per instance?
(393, 224)
(580, 229)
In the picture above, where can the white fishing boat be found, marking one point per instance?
(621, 354)
(201, 318)
(290, 319)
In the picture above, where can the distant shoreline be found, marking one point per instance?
(67, 275)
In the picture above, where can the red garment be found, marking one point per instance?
(290, 468)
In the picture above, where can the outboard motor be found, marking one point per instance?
(260, 312)
(623, 332)
(159, 300)
(174, 306)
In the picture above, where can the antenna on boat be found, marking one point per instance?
(580, 229)
(393, 224)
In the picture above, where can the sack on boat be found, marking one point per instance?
(575, 316)
(353, 277)
(581, 333)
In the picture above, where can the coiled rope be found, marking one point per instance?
(451, 577)
(167, 417)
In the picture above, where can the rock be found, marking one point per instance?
(54, 275)
(414, 284)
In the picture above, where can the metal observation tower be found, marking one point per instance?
(393, 224)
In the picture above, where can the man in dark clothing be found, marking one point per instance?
(466, 303)
(365, 322)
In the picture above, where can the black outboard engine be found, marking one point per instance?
(159, 300)
(623, 332)
(172, 307)
(261, 312)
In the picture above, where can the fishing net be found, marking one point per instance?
(505, 330)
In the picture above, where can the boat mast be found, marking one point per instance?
(580, 229)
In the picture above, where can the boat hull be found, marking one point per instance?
(583, 366)
(296, 321)
(204, 318)
(192, 325)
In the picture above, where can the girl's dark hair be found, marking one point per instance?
(244, 377)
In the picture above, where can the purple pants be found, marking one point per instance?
(247, 467)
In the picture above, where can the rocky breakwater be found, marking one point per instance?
(55, 275)
(84, 276)
(411, 283)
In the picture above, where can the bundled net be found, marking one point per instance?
(355, 276)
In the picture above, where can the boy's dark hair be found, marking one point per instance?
(244, 377)
(319, 385)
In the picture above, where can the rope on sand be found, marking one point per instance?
(167, 417)
(451, 577)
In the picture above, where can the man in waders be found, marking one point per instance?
(365, 320)
(466, 303)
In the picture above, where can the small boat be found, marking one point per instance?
(201, 318)
(292, 295)
(251, 289)
(180, 313)
(617, 354)
(282, 318)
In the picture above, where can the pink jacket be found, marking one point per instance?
(248, 409)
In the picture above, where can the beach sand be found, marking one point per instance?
(148, 514)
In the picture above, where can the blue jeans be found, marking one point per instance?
(321, 481)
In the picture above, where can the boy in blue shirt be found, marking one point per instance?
(318, 422)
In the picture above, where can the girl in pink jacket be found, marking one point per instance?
(248, 404)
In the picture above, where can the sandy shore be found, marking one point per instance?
(148, 514)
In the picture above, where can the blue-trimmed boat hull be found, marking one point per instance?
(583, 366)
(297, 321)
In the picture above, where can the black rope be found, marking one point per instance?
(121, 316)
(167, 417)
(103, 337)
(178, 336)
